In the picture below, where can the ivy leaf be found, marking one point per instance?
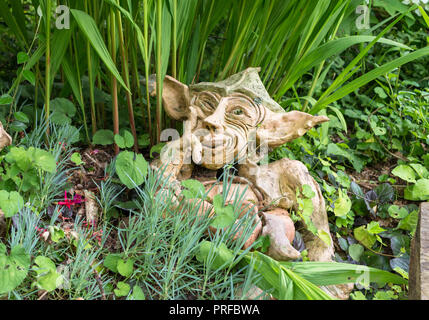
(195, 189)
(342, 205)
(47, 276)
(13, 268)
(111, 262)
(10, 203)
(224, 215)
(307, 191)
(363, 236)
(125, 268)
(122, 289)
(374, 228)
(131, 169)
(405, 173)
(356, 251)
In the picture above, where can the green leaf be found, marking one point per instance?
(103, 137)
(144, 140)
(122, 289)
(5, 99)
(195, 189)
(334, 273)
(418, 192)
(128, 138)
(307, 191)
(363, 236)
(380, 92)
(216, 256)
(13, 268)
(157, 148)
(421, 170)
(397, 213)
(21, 116)
(22, 57)
(374, 228)
(356, 251)
(29, 76)
(342, 205)
(125, 268)
(47, 276)
(76, 158)
(409, 223)
(131, 169)
(56, 233)
(137, 294)
(89, 28)
(224, 216)
(120, 141)
(111, 262)
(405, 172)
(10, 203)
(43, 160)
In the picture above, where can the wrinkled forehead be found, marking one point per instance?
(240, 108)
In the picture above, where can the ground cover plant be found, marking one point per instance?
(83, 217)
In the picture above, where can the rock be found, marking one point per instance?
(276, 227)
(91, 207)
(290, 227)
(236, 188)
(419, 262)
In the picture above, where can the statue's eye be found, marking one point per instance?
(237, 111)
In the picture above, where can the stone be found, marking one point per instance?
(283, 217)
(419, 259)
(91, 208)
(276, 228)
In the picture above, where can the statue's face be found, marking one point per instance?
(224, 125)
(231, 126)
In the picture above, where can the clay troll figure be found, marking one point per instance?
(235, 120)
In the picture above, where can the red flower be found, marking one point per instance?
(77, 199)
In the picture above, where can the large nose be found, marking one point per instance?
(216, 121)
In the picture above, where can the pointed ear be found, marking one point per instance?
(279, 128)
(175, 96)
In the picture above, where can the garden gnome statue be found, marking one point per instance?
(236, 121)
